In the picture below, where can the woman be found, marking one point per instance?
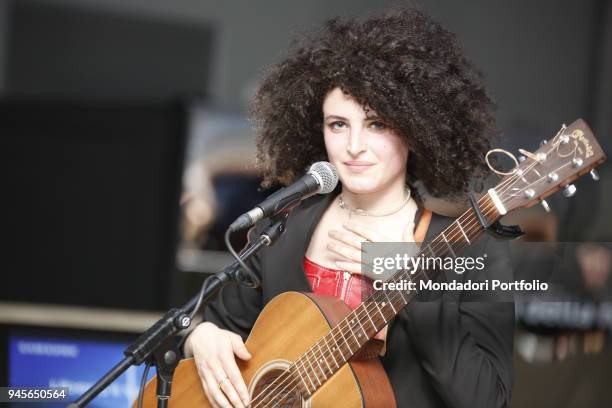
(390, 101)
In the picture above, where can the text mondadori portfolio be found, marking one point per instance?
(493, 284)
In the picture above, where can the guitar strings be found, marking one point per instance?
(293, 381)
(396, 297)
(284, 383)
(339, 326)
(487, 206)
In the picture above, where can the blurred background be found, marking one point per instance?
(126, 152)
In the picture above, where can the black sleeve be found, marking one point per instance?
(466, 347)
(235, 307)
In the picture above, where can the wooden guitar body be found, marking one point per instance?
(286, 328)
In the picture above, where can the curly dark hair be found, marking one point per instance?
(401, 64)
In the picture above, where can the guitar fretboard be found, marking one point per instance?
(331, 352)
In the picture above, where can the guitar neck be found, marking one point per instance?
(326, 356)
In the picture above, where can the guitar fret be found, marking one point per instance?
(331, 351)
(353, 333)
(324, 359)
(370, 317)
(390, 303)
(312, 370)
(433, 254)
(402, 296)
(346, 342)
(448, 244)
(314, 387)
(314, 356)
(404, 275)
(362, 329)
(422, 271)
(380, 311)
(408, 275)
(339, 349)
(462, 231)
(297, 368)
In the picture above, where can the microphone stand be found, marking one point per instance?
(158, 343)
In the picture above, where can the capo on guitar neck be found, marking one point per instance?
(497, 229)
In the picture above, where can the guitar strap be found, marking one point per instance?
(377, 346)
(421, 229)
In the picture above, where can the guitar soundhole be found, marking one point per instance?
(276, 395)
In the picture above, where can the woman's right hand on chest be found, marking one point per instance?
(213, 350)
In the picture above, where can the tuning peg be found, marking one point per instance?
(594, 175)
(569, 190)
(521, 158)
(577, 162)
(545, 205)
(543, 142)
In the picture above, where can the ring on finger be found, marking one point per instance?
(222, 381)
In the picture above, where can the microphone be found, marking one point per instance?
(321, 178)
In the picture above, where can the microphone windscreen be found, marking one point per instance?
(326, 174)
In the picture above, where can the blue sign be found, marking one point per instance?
(75, 364)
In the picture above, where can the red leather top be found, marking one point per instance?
(352, 289)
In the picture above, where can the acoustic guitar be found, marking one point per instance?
(304, 345)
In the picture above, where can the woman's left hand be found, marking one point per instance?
(346, 244)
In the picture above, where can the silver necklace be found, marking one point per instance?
(365, 213)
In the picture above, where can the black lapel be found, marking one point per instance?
(287, 255)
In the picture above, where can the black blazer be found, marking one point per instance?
(441, 353)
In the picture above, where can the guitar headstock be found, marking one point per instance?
(570, 154)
